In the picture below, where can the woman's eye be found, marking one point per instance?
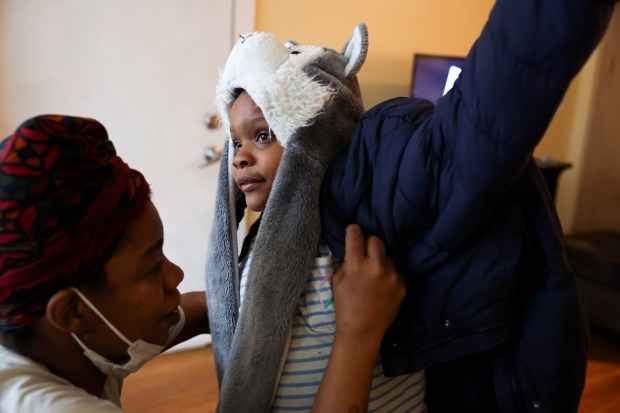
(155, 270)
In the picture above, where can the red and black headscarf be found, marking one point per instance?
(65, 197)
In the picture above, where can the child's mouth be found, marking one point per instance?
(247, 184)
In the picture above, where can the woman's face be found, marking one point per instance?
(257, 152)
(140, 297)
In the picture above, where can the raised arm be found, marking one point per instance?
(412, 168)
(511, 85)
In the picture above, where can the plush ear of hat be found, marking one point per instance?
(355, 50)
(310, 97)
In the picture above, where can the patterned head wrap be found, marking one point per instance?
(65, 197)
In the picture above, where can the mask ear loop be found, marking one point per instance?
(105, 320)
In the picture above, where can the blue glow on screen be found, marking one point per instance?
(430, 74)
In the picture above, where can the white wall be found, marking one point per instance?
(146, 69)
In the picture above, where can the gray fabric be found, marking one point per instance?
(222, 271)
(249, 345)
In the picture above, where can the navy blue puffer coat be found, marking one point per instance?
(455, 194)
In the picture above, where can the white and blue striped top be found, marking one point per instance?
(310, 347)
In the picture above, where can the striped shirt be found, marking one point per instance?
(312, 337)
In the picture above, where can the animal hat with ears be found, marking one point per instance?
(310, 97)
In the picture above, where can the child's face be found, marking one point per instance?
(257, 152)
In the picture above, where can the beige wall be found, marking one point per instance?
(397, 30)
(400, 28)
(598, 193)
(147, 70)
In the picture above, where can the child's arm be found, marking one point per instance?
(368, 292)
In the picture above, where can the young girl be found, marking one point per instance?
(492, 312)
(257, 155)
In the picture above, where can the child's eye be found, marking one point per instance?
(236, 144)
(265, 137)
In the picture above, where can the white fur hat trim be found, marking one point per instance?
(274, 77)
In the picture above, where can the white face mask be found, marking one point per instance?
(139, 351)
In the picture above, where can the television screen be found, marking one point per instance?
(434, 75)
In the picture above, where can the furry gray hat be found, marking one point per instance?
(310, 97)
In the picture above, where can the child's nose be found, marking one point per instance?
(242, 158)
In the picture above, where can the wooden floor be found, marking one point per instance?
(185, 382)
(602, 392)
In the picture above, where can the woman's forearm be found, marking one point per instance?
(346, 383)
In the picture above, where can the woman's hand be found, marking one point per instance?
(368, 292)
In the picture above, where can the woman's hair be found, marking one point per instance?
(70, 199)
(90, 277)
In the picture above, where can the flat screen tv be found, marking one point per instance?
(433, 75)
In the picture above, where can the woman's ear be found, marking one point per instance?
(65, 312)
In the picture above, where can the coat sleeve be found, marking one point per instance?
(430, 179)
(512, 83)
